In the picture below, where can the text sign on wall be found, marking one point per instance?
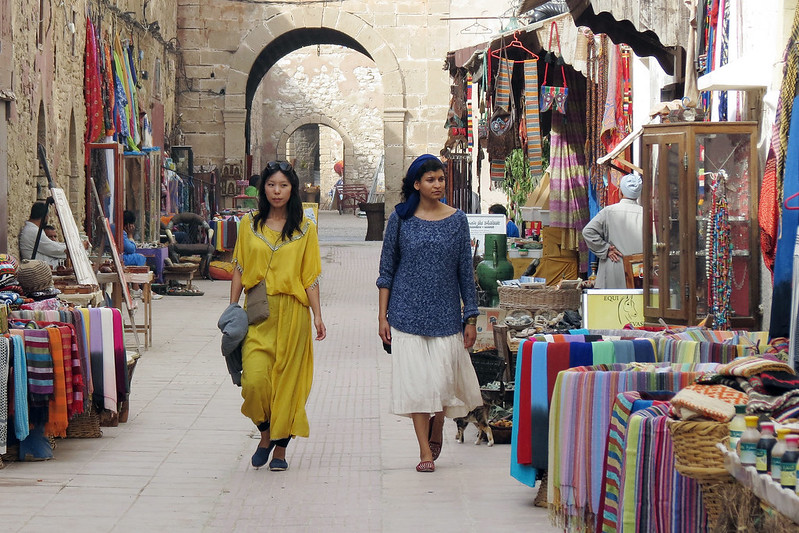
(481, 225)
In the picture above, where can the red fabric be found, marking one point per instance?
(768, 211)
(557, 361)
(524, 447)
(92, 91)
(108, 82)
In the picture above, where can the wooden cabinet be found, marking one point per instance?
(683, 163)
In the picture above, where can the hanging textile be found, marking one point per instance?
(469, 113)
(57, 419)
(92, 90)
(531, 118)
(724, 30)
(568, 204)
(4, 362)
(783, 263)
(21, 421)
(504, 75)
(771, 189)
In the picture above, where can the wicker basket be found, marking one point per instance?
(488, 366)
(696, 457)
(85, 425)
(538, 300)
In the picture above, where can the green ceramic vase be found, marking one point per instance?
(494, 267)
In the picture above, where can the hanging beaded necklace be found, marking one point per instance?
(718, 244)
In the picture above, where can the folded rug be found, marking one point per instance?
(751, 365)
(716, 402)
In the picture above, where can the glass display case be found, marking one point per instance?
(700, 198)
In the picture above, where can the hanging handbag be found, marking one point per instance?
(552, 95)
(256, 303)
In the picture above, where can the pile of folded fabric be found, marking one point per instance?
(10, 289)
(771, 386)
(712, 402)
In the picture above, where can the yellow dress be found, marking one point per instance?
(277, 355)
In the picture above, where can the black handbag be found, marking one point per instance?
(387, 348)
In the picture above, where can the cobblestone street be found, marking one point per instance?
(181, 462)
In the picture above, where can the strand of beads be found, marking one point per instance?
(719, 255)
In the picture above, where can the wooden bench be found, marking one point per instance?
(352, 195)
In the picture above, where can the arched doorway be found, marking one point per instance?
(278, 36)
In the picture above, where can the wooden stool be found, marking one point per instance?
(182, 272)
(145, 280)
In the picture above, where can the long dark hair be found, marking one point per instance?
(428, 165)
(294, 211)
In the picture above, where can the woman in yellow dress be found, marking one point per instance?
(279, 244)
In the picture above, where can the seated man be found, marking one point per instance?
(49, 251)
(51, 232)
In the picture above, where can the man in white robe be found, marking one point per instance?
(617, 231)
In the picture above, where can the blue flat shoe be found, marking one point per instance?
(278, 465)
(261, 456)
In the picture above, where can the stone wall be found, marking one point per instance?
(407, 40)
(47, 63)
(338, 83)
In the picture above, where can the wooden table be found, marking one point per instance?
(145, 280)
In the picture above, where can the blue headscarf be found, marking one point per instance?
(407, 208)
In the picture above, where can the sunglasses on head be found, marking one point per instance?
(283, 166)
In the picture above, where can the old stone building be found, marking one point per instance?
(216, 76)
(42, 44)
(229, 47)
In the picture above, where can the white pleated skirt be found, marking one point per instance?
(431, 374)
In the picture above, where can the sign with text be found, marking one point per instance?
(480, 225)
(613, 308)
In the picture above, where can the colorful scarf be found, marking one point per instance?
(502, 87)
(4, 361)
(57, 419)
(569, 175)
(751, 365)
(21, 423)
(40, 374)
(92, 90)
(531, 118)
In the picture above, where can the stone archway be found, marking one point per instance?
(349, 147)
(238, 89)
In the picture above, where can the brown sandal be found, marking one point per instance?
(426, 466)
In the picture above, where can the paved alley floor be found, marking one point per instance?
(182, 461)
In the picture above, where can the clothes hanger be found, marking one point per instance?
(791, 197)
(515, 43)
(476, 28)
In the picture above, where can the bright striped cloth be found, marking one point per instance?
(21, 422)
(531, 118)
(751, 365)
(715, 402)
(568, 199)
(5, 352)
(57, 419)
(655, 498)
(497, 170)
(40, 362)
(469, 112)
(502, 85)
(580, 416)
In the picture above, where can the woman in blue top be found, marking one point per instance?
(425, 274)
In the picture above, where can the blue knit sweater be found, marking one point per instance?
(429, 273)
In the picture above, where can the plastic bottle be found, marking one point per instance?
(748, 443)
(776, 454)
(737, 426)
(764, 447)
(788, 465)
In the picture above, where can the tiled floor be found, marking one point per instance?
(181, 462)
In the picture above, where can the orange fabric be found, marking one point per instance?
(57, 423)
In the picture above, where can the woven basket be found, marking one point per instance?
(488, 366)
(696, 457)
(85, 425)
(34, 276)
(538, 300)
